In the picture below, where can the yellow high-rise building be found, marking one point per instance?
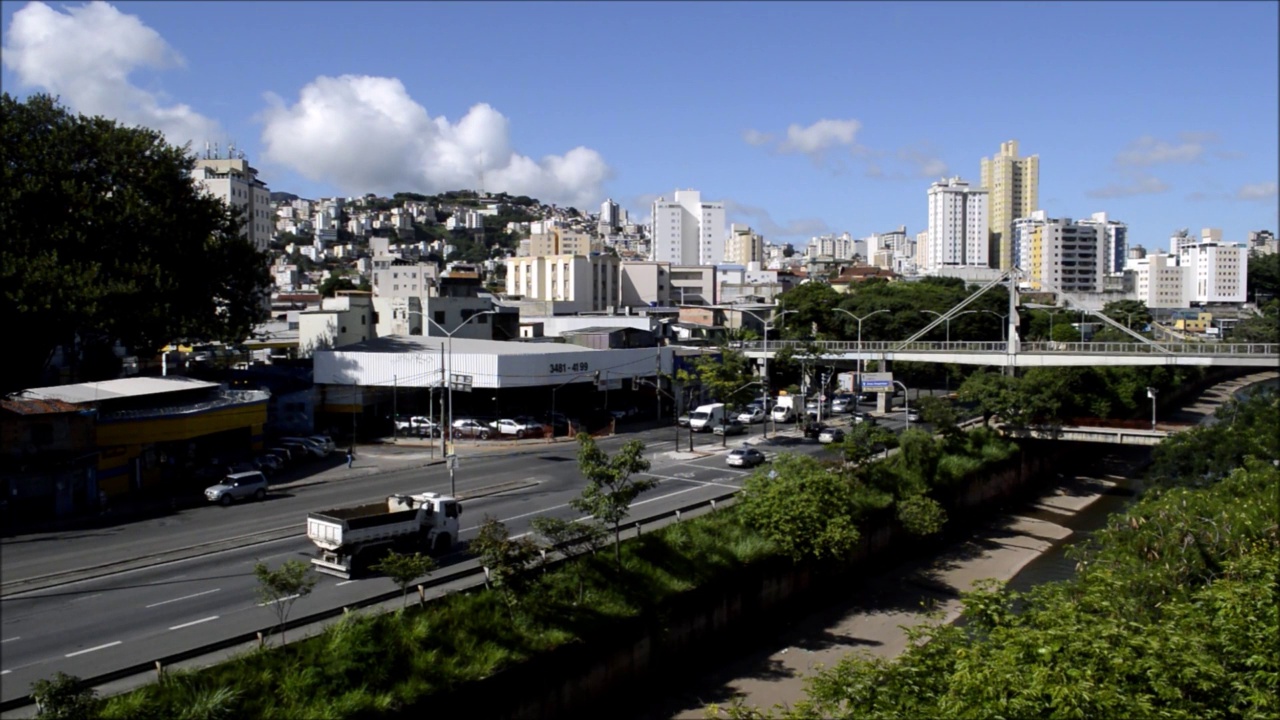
(1013, 190)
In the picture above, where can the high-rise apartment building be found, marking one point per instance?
(743, 246)
(688, 231)
(1060, 255)
(1115, 242)
(1216, 271)
(610, 215)
(1014, 187)
(233, 180)
(957, 225)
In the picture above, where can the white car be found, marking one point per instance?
(782, 413)
(324, 441)
(518, 427)
(745, 457)
(841, 405)
(752, 414)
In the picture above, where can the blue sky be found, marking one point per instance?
(803, 117)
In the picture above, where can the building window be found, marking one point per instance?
(438, 316)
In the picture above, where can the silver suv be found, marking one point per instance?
(238, 486)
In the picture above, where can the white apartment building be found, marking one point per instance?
(1115, 242)
(1064, 256)
(1159, 282)
(922, 249)
(233, 180)
(688, 231)
(958, 235)
(736, 282)
(341, 320)
(468, 219)
(743, 246)
(571, 283)
(1216, 271)
(836, 247)
(610, 215)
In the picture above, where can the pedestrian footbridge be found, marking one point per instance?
(1024, 354)
(1109, 435)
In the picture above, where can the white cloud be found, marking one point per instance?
(1147, 150)
(1258, 191)
(927, 165)
(366, 134)
(1138, 185)
(814, 140)
(85, 56)
(762, 222)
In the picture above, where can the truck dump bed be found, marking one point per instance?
(362, 516)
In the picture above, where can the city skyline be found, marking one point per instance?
(802, 118)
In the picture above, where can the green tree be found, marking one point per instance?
(571, 539)
(611, 484)
(336, 282)
(1264, 329)
(405, 569)
(107, 239)
(941, 414)
(727, 377)
(1263, 276)
(282, 587)
(993, 394)
(802, 508)
(64, 698)
(862, 442)
(1133, 314)
(506, 560)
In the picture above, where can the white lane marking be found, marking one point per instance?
(5, 672)
(279, 600)
(84, 598)
(166, 580)
(184, 597)
(344, 582)
(193, 622)
(100, 647)
(9, 640)
(700, 482)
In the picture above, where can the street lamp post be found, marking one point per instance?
(906, 403)
(1151, 393)
(448, 370)
(860, 361)
(1004, 327)
(764, 389)
(946, 370)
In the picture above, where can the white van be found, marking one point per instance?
(706, 417)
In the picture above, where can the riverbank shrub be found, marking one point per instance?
(1172, 613)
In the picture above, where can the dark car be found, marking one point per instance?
(813, 430)
(731, 426)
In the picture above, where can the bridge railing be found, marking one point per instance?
(1064, 348)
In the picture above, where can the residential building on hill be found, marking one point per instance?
(237, 183)
(957, 225)
(688, 231)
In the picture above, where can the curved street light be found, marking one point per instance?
(764, 389)
(953, 317)
(1004, 325)
(449, 377)
(860, 319)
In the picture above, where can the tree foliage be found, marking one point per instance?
(803, 507)
(726, 376)
(507, 560)
(64, 698)
(611, 485)
(1172, 613)
(405, 569)
(279, 589)
(107, 238)
(571, 539)
(1263, 276)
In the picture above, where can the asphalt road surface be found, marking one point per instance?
(172, 602)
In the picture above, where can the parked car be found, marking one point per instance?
(557, 423)
(283, 453)
(299, 452)
(469, 428)
(814, 430)
(831, 435)
(782, 413)
(314, 448)
(324, 441)
(520, 427)
(628, 411)
(683, 420)
(729, 427)
(238, 486)
(268, 463)
(913, 415)
(752, 414)
(744, 457)
(862, 417)
(842, 404)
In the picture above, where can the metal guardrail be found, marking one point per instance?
(555, 558)
(1073, 348)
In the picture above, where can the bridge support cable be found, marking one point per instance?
(955, 310)
(1077, 305)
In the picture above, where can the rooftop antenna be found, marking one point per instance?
(206, 149)
(216, 156)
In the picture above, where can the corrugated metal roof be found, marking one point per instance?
(114, 389)
(598, 330)
(425, 343)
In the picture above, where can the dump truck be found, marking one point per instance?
(352, 539)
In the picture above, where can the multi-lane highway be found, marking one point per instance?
(173, 600)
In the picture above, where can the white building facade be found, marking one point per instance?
(233, 180)
(688, 231)
(1115, 242)
(958, 235)
(1216, 271)
(573, 283)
